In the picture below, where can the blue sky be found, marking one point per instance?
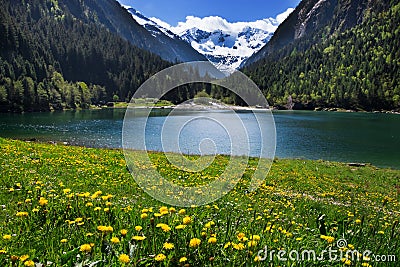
(173, 11)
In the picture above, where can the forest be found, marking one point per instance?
(355, 69)
(51, 60)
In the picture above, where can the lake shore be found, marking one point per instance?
(221, 106)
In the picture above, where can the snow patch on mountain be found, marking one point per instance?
(152, 26)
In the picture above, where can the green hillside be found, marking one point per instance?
(54, 58)
(358, 68)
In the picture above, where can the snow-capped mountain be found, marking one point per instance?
(227, 49)
(225, 44)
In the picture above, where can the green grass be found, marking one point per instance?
(54, 198)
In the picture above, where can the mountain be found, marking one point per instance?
(70, 54)
(178, 50)
(227, 49)
(223, 43)
(110, 14)
(313, 18)
(333, 53)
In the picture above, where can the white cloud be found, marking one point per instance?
(212, 23)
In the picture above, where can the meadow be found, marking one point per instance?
(75, 206)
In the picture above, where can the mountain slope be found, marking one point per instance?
(180, 51)
(60, 54)
(339, 65)
(110, 14)
(315, 20)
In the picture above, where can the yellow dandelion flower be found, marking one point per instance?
(29, 263)
(187, 220)
(227, 245)
(239, 246)
(257, 259)
(66, 191)
(89, 204)
(22, 214)
(209, 224)
(43, 201)
(23, 257)
(241, 236)
(138, 238)
(255, 237)
(168, 246)
(212, 240)
(381, 232)
(252, 243)
(3, 251)
(163, 209)
(328, 239)
(143, 215)
(96, 194)
(6, 237)
(182, 212)
(346, 261)
(105, 229)
(97, 208)
(358, 221)
(194, 242)
(180, 227)
(164, 227)
(85, 248)
(123, 232)
(115, 240)
(172, 210)
(63, 240)
(160, 257)
(138, 228)
(124, 258)
(183, 259)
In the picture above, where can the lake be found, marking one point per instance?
(335, 136)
